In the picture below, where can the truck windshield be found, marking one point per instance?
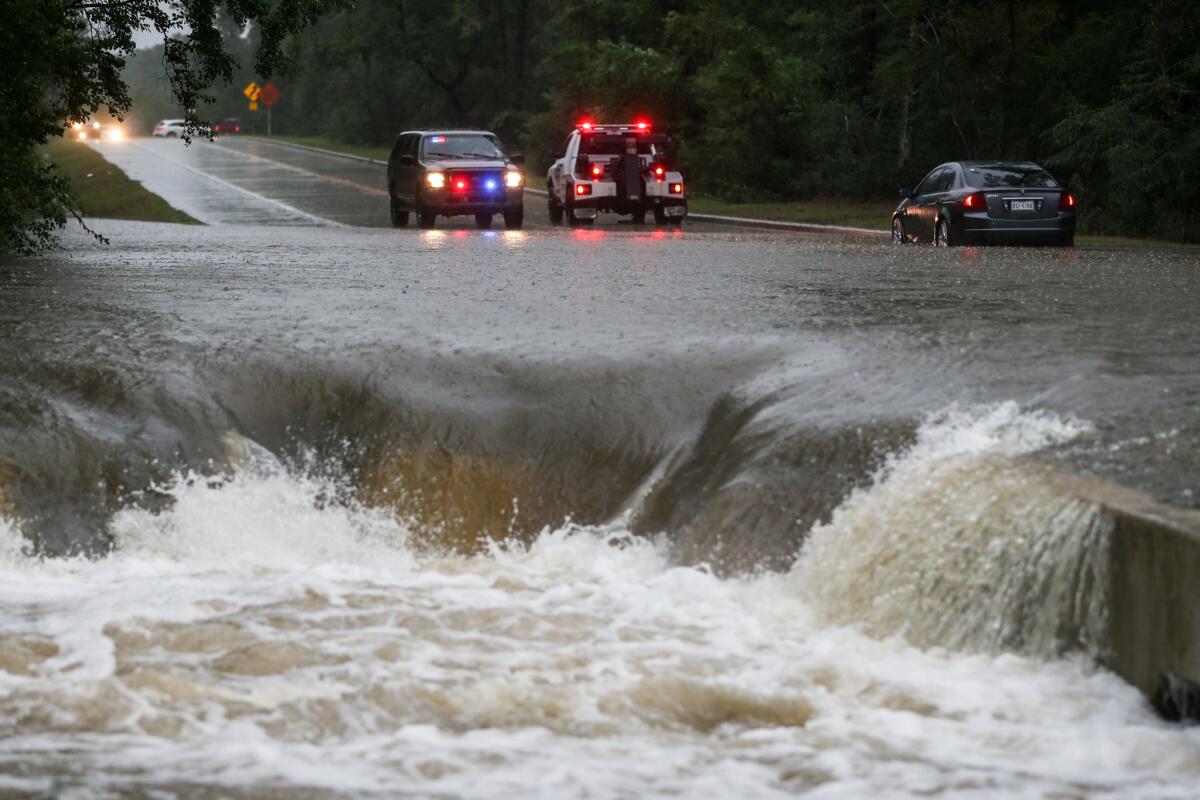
(461, 145)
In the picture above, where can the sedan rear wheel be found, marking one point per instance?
(898, 236)
(943, 238)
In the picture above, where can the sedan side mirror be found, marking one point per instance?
(517, 159)
(907, 194)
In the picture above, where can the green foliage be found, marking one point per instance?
(63, 61)
(1139, 153)
(781, 101)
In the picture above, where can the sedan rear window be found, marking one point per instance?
(461, 145)
(999, 176)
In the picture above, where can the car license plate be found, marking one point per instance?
(674, 211)
(1023, 205)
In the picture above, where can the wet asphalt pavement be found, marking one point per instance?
(251, 181)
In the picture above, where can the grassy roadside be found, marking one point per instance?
(104, 191)
(874, 215)
(326, 143)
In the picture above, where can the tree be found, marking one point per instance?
(62, 62)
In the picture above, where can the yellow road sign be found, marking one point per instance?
(251, 91)
(253, 106)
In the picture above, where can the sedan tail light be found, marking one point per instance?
(1067, 200)
(975, 202)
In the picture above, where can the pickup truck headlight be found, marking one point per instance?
(436, 180)
(513, 179)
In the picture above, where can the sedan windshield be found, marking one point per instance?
(461, 145)
(999, 176)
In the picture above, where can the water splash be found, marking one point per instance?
(962, 542)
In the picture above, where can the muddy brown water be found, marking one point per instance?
(327, 511)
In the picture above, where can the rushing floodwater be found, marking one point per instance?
(497, 516)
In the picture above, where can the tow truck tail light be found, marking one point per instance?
(975, 202)
(676, 188)
(583, 189)
(660, 172)
(597, 170)
(1066, 201)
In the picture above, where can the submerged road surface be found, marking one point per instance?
(296, 509)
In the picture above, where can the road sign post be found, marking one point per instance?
(268, 95)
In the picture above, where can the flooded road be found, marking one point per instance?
(313, 510)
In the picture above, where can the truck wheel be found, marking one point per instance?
(639, 216)
(399, 215)
(513, 220)
(660, 216)
(425, 218)
(573, 220)
(556, 211)
(483, 221)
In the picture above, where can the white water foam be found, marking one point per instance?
(961, 542)
(257, 639)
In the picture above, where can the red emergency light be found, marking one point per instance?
(586, 126)
(642, 125)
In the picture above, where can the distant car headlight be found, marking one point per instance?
(513, 179)
(436, 180)
(82, 135)
(116, 134)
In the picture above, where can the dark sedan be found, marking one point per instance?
(452, 173)
(984, 202)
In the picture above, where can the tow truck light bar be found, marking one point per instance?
(587, 126)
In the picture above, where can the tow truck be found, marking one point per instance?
(623, 169)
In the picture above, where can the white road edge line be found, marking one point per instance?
(719, 219)
(235, 187)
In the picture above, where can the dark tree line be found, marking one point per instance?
(792, 99)
(768, 100)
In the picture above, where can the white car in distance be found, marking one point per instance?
(170, 128)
